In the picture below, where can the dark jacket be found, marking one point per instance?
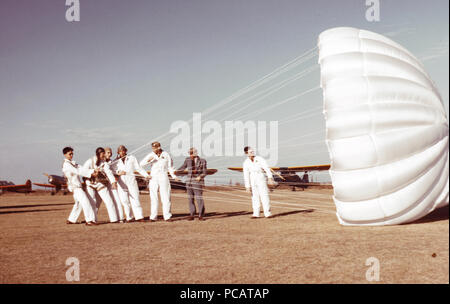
(194, 171)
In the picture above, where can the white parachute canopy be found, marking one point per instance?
(387, 131)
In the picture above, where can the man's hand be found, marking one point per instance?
(248, 190)
(198, 178)
(270, 182)
(114, 185)
(96, 172)
(177, 179)
(121, 173)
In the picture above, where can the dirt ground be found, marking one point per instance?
(303, 243)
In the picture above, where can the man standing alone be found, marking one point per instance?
(195, 182)
(255, 181)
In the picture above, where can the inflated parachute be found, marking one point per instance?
(387, 131)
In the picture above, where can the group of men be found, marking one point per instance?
(114, 182)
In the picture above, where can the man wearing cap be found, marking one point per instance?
(161, 164)
(255, 182)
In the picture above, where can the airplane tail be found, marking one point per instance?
(28, 185)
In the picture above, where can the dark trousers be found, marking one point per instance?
(195, 191)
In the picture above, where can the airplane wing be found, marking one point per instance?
(292, 169)
(11, 186)
(44, 185)
(185, 172)
(25, 187)
(303, 168)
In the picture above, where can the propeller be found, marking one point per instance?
(50, 179)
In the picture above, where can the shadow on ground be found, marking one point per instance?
(27, 206)
(440, 214)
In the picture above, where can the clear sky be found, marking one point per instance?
(128, 69)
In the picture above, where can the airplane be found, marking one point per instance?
(143, 183)
(287, 175)
(55, 181)
(11, 187)
(60, 183)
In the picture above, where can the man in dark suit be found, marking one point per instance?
(195, 182)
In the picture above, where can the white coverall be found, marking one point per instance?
(254, 177)
(160, 166)
(127, 186)
(72, 171)
(94, 188)
(115, 195)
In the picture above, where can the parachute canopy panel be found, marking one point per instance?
(387, 131)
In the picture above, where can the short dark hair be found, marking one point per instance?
(67, 149)
(246, 149)
(122, 148)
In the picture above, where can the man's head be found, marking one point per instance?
(193, 153)
(100, 153)
(122, 151)
(156, 146)
(108, 153)
(249, 151)
(68, 153)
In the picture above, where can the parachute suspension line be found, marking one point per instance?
(264, 79)
(302, 115)
(296, 61)
(303, 136)
(273, 202)
(271, 90)
(277, 205)
(305, 144)
(283, 101)
(221, 159)
(269, 107)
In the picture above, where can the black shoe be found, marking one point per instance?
(69, 222)
(201, 218)
(152, 220)
(141, 220)
(169, 220)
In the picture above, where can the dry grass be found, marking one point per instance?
(303, 243)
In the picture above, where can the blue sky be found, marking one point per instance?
(128, 69)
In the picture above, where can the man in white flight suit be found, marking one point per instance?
(112, 188)
(255, 181)
(128, 189)
(72, 171)
(97, 185)
(161, 164)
